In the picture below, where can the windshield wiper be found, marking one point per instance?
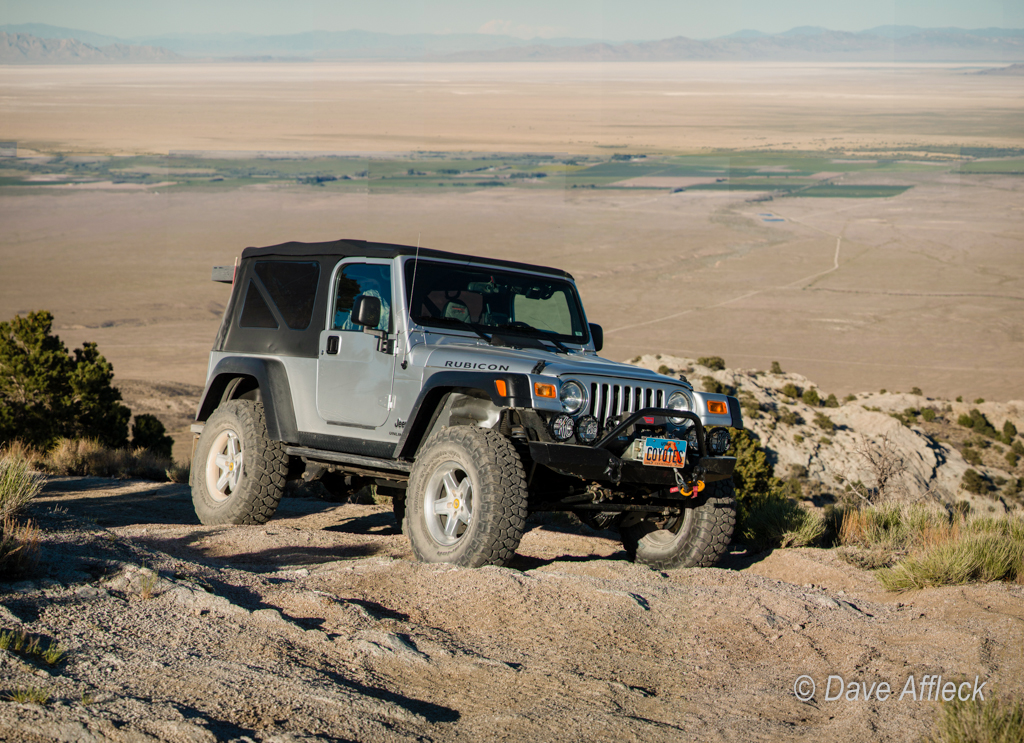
(526, 327)
(453, 322)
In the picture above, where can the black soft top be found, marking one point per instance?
(362, 248)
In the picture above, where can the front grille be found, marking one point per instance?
(607, 400)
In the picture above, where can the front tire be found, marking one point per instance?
(466, 501)
(238, 475)
(696, 538)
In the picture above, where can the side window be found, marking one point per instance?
(357, 279)
(292, 287)
(256, 312)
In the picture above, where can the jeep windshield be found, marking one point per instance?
(492, 301)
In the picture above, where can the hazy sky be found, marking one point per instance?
(608, 19)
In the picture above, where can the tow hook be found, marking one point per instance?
(692, 487)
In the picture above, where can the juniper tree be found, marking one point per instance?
(45, 393)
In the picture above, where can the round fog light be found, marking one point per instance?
(718, 441)
(561, 427)
(587, 429)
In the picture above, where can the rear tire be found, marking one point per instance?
(238, 475)
(466, 502)
(696, 538)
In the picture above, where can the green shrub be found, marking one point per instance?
(715, 363)
(974, 482)
(972, 456)
(991, 721)
(849, 398)
(753, 476)
(798, 438)
(664, 370)
(959, 398)
(1017, 448)
(977, 422)
(831, 401)
(916, 391)
(823, 422)
(928, 414)
(776, 369)
(149, 433)
(46, 394)
(979, 401)
(1012, 458)
(790, 417)
(811, 397)
(790, 390)
(714, 386)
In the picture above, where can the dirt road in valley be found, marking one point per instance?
(319, 626)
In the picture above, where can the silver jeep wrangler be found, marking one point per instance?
(468, 389)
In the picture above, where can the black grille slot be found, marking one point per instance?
(607, 400)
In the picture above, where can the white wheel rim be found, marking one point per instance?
(448, 503)
(224, 466)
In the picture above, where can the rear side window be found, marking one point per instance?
(255, 312)
(291, 286)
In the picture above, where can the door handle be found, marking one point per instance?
(333, 342)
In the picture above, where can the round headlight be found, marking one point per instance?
(679, 400)
(561, 427)
(572, 397)
(691, 439)
(718, 441)
(587, 429)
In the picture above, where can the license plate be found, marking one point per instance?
(664, 452)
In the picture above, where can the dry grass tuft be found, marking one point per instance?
(918, 546)
(781, 522)
(28, 695)
(19, 548)
(179, 471)
(18, 485)
(82, 457)
(991, 721)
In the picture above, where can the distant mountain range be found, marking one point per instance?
(26, 49)
(42, 44)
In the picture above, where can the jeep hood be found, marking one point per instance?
(489, 358)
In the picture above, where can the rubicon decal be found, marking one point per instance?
(476, 365)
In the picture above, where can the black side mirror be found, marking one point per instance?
(366, 311)
(597, 333)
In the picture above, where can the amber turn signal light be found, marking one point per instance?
(544, 390)
(717, 407)
(499, 384)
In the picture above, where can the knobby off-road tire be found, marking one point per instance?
(697, 538)
(466, 502)
(238, 473)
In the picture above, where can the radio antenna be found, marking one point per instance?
(412, 290)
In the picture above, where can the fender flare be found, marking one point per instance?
(440, 384)
(272, 379)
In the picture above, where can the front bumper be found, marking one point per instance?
(591, 463)
(597, 463)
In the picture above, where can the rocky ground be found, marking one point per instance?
(824, 448)
(319, 626)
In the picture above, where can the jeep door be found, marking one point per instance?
(355, 368)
